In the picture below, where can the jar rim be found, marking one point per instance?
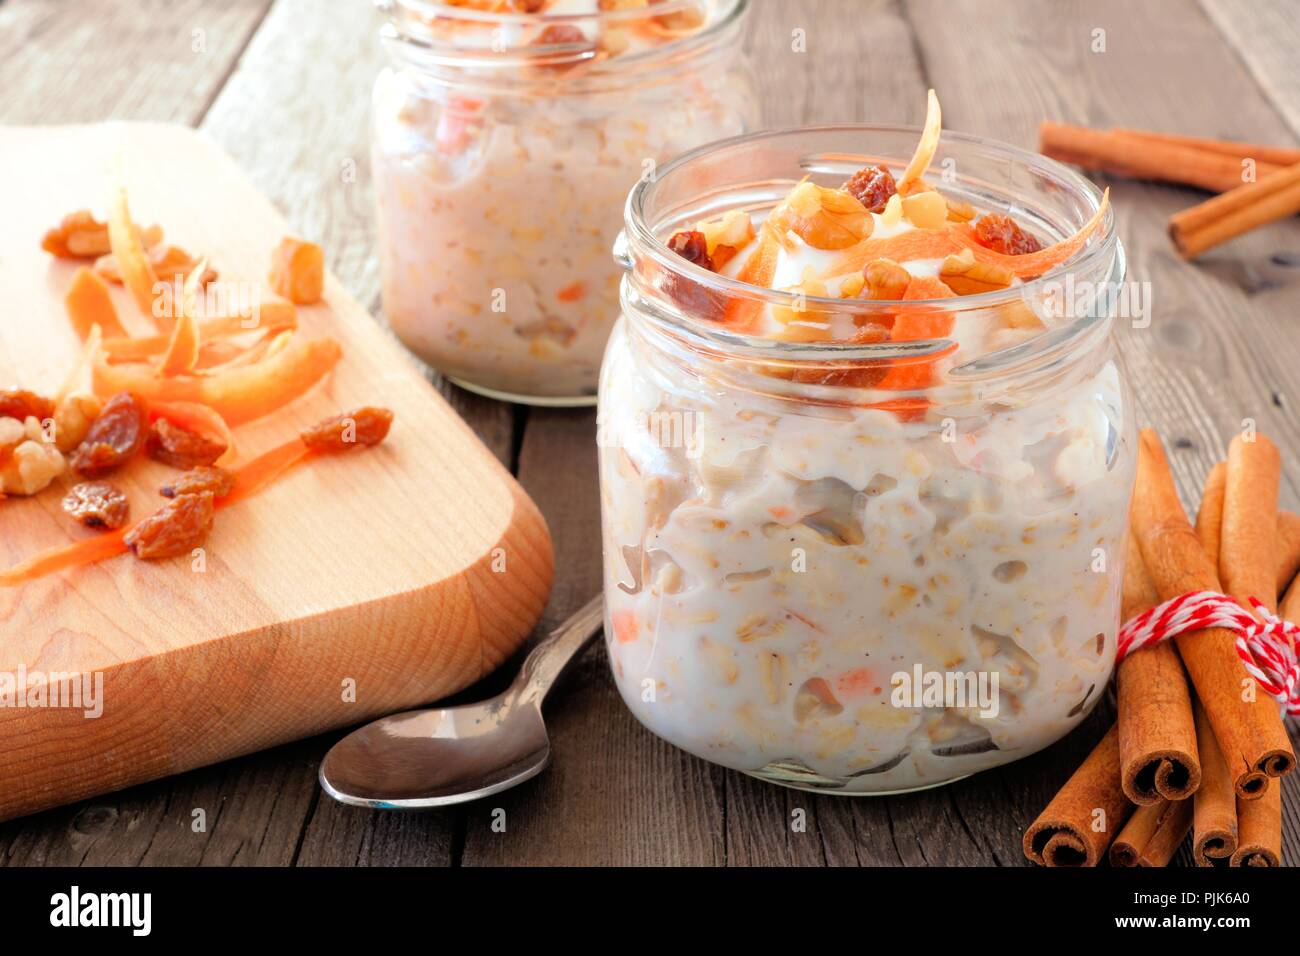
(404, 13)
(639, 239)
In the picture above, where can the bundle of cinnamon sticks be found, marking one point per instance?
(1206, 757)
(1258, 184)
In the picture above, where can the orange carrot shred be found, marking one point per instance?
(298, 270)
(183, 349)
(1033, 264)
(249, 480)
(128, 250)
(88, 303)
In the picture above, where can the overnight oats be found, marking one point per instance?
(505, 138)
(864, 469)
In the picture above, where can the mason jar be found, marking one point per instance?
(833, 577)
(503, 146)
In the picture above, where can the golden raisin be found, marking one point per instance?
(203, 478)
(363, 426)
(97, 504)
(692, 246)
(180, 447)
(21, 404)
(1003, 234)
(176, 528)
(872, 186)
(114, 438)
(557, 34)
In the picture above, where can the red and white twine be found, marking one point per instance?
(1267, 647)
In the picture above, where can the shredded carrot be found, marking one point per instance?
(758, 269)
(298, 270)
(264, 469)
(904, 247)
(273, 314)
(249, 480)
(89, 304)
(85, 551)
(1033, 264)
(928, 143)
(183, 349)
(238, 395)
(128, 250)
(625, 626)
(75, 379)
(799, 617)
(572, 292)
(856, 681)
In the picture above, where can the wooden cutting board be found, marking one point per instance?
(357, 585)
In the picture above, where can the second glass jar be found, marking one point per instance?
(503, 146)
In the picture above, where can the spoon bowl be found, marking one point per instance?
(443, 756)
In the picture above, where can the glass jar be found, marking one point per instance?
(503, 147)
(836, 587)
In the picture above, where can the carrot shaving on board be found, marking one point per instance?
(925, 149)
(88, 303)
(183, 349)
(249, 480)
(72, 382)
(298, 270)
(238, 395)
(1033, 264)
(83, 552)
(137, 272)
(274, 314)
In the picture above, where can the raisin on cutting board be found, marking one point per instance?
(21, 404)
(176, 528)
(362, 426)
(180, 447)
(197, 480)
(97, 504)
(114, 438)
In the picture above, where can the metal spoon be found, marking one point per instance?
(436, 757)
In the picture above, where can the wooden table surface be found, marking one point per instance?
(284, 86)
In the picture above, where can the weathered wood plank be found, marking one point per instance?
(1222, 343)
(1266, 35)
(66, 62)
(614, 794)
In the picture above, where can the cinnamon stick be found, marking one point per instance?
(1290, 609)
(1214, 832)
(1153, 834)
(1113, 152)
(1080, 822)
(1157, 735)
(1248, 542)
(1288, 549)
(1209, 519)
(1252, 738)
(1259, 826)
(1228, 215)
(1259, 152)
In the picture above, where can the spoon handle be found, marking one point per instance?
(555, 652)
